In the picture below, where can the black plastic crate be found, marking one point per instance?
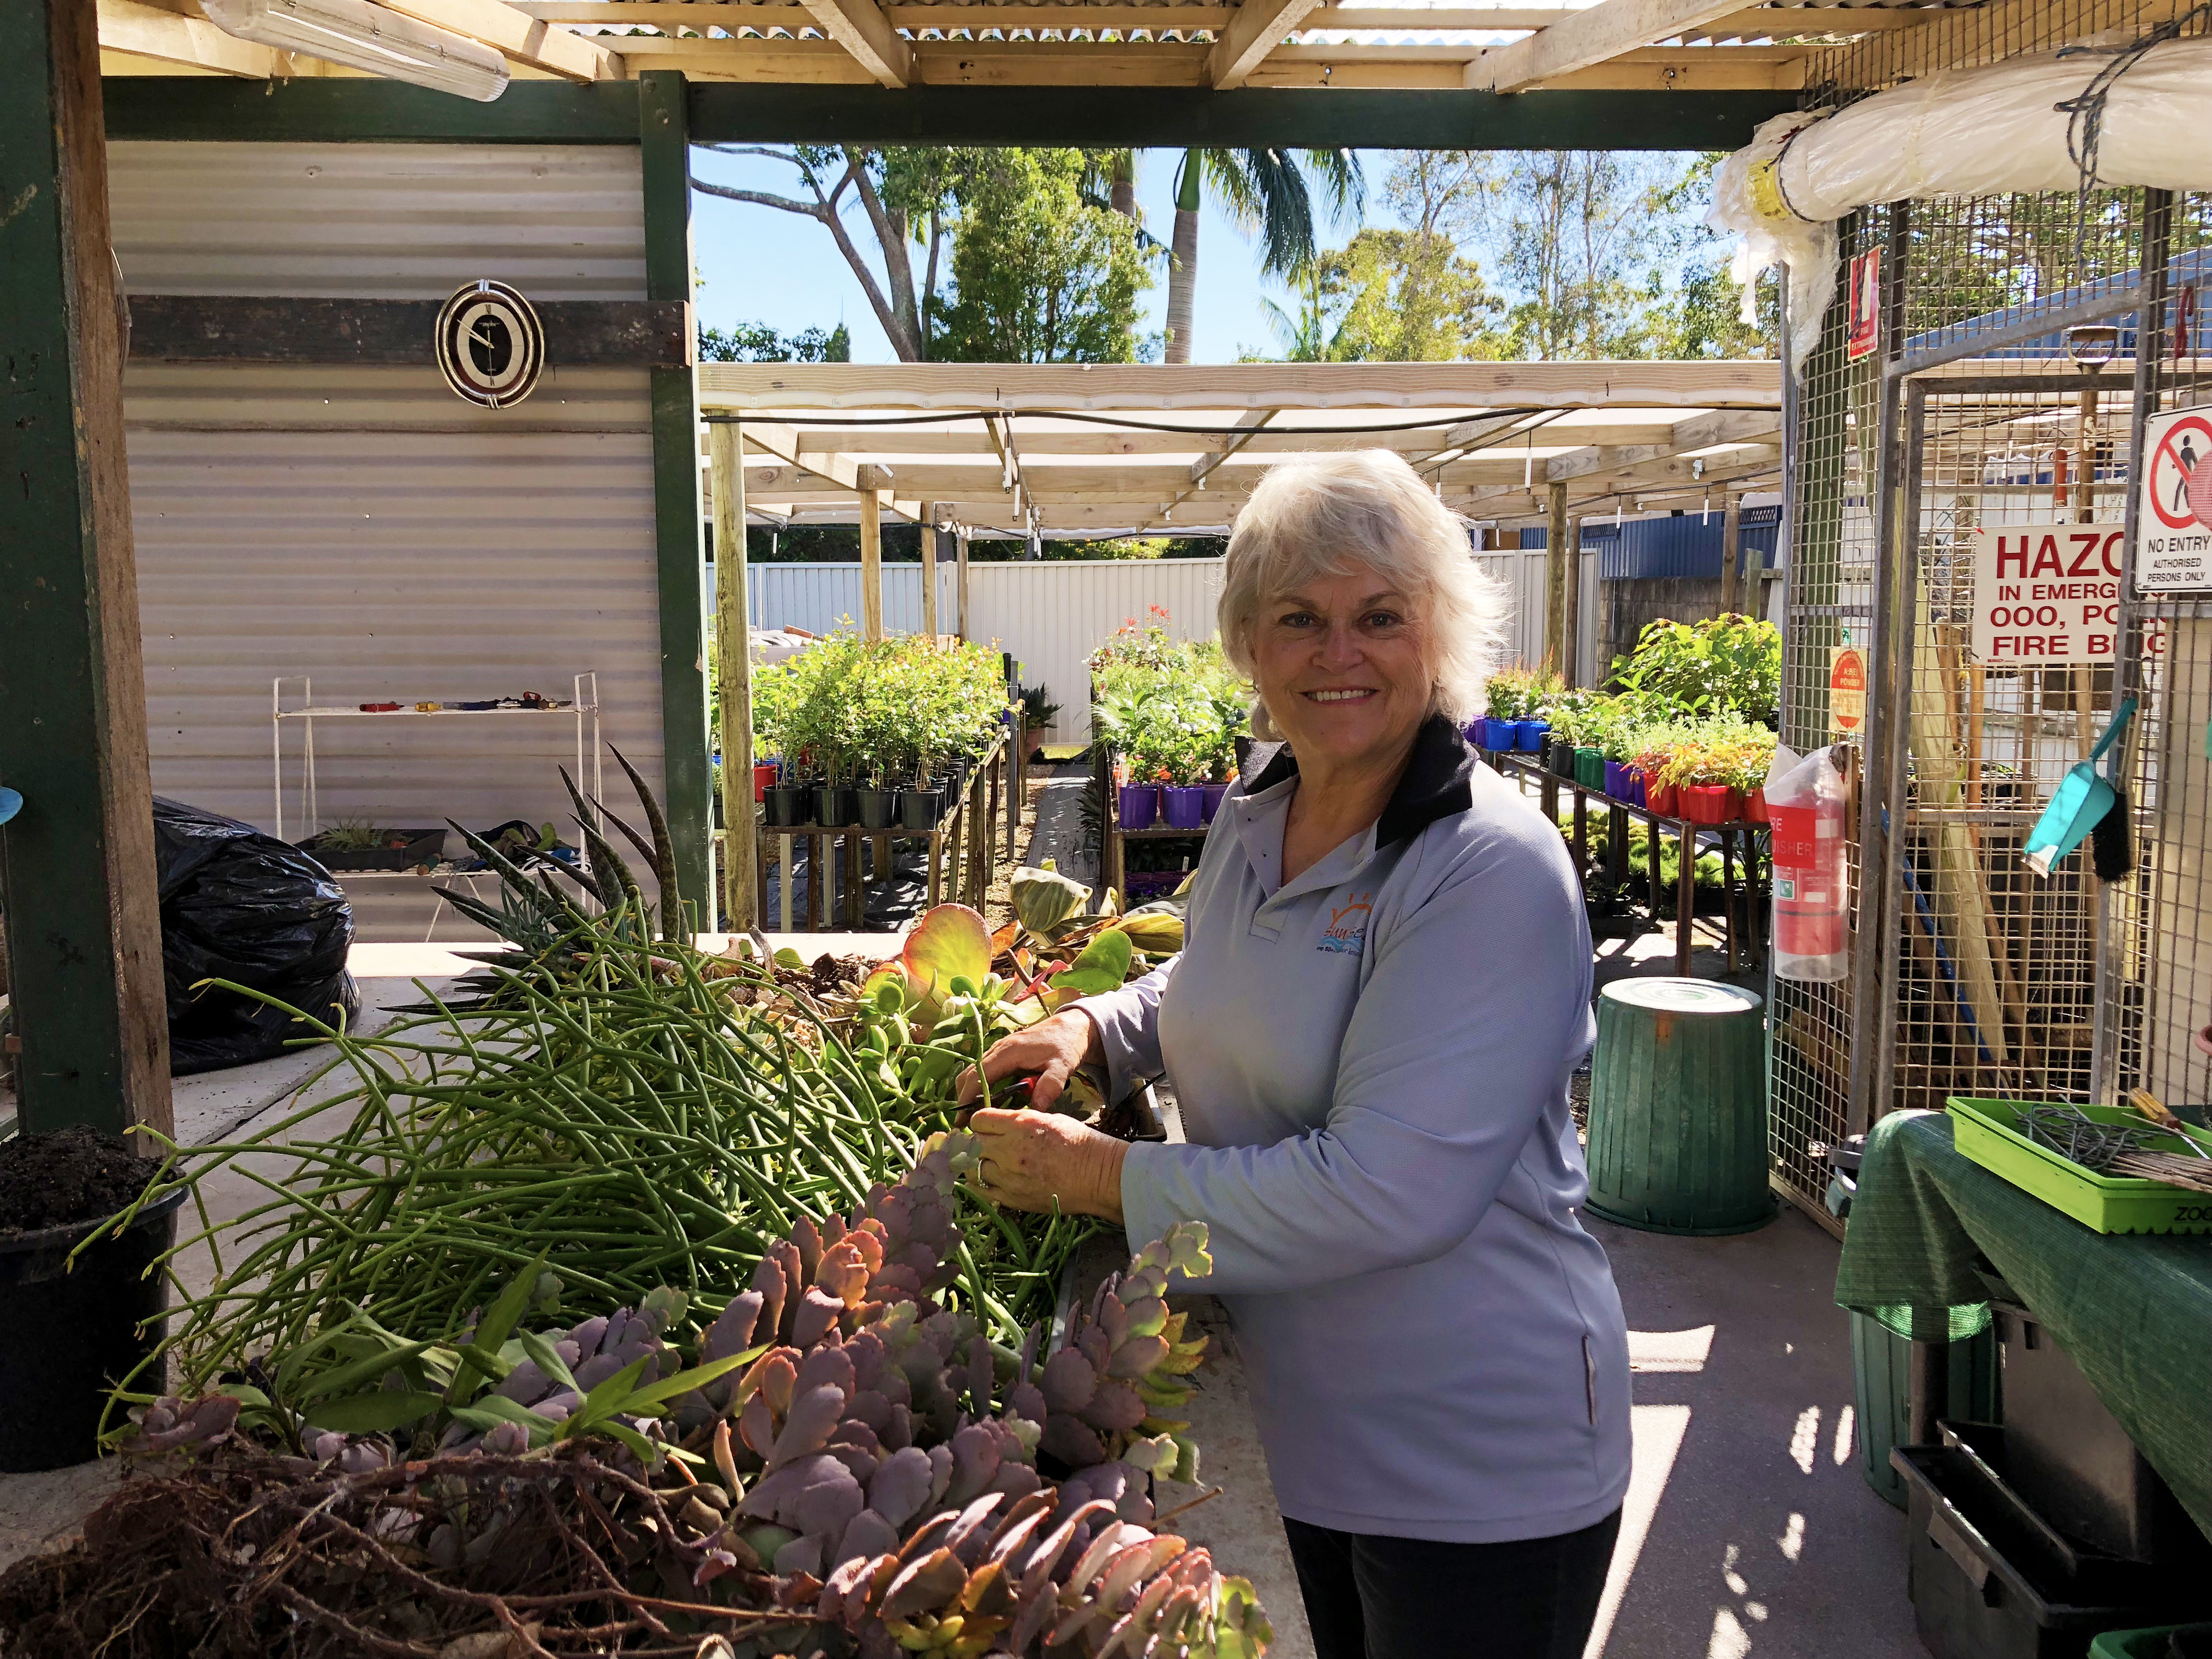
(2068, 1457)
(1989, 1581)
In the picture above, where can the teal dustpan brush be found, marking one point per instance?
(2081, 802)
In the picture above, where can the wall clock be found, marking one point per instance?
(490, 345)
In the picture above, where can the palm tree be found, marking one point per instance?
(1265, 190)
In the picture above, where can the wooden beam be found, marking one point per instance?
(929, 575)
(1404, 389)
(193, 328)
(1959, 38)
(153, 31)
(861, 28)
(1592, 36)
(663, 141)
(1570, 665)
(1557, 552)
(1731, 554)
(520, 36)
(870, 480)
(1256, 30)
(733, 667)
(77, 882)
(1702, 432)
(960, 583)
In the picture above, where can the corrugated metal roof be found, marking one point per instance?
(409, 222)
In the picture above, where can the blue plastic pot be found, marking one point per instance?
(1529, 735)
(1499, 735)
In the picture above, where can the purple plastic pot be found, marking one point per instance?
(1138, 804)
(1215, 794)
(1185, 805)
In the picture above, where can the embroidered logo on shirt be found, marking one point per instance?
(1346, 932)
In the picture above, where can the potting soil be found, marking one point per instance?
(74, 1174)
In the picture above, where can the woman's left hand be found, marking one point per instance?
(1031, 1159)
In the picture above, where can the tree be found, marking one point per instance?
(1039, 276)
(1408, 296)
(1265, 190)
(757, 342)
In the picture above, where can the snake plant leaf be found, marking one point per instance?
(378, 1412)
(664, 850)
(950, 942)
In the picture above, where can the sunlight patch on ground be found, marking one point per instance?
(1657, 1432)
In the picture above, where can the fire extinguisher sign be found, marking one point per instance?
(1866, 304)
(2046, 593)
(2175, 507)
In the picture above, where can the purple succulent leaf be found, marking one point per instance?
(733, 1331)
(861, 1461)
(940, 1474)
(970, 1537)
(829, 1365)
(585, 1337)
(867, 1534)
(924, 1586)
(901, 1485)
(1027, 1400)
(1139, 1357)
(868, 1406)
(815, 1317)
(974, 1462)
(846, 1587)
(827, 1507)
(713, 1566)
(1017, 1480)
(1073, 1443)
(799, 1555)
(806, 1430)
(899, 1432)
(1094, 1347)
(1116, 1407)
(772, 1492)
(1114, 1320)
(756, 1425)
(1068, 1381)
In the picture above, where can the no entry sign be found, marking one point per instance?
(2046, 593)
(2175, 507)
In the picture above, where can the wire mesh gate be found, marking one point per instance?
(1975, 417)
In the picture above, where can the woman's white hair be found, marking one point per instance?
(1327, 514)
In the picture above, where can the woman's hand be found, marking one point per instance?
(1032, 1160)
(1052, 1048)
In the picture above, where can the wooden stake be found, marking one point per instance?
(1732, 555)
(726, 453)
(76, 865)
(1570, 665)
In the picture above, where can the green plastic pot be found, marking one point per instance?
(1589, 767)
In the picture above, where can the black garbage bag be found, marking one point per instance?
(242, 906)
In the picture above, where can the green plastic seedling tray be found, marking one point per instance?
(1987, 1131)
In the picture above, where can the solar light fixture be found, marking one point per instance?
(363, 35)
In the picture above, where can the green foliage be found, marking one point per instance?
(757, 342)
(1395, 296)
(882, 713)
(1039, 276)
(1171, 711)
(1726, 663)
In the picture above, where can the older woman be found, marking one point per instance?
(1384, 992)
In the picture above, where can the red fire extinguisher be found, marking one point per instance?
(1812, 897)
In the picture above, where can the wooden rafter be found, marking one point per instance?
(168, 36)
(1256, 30)
(861, 28)
(524, 39)
(1704, 432)
(1591, 37)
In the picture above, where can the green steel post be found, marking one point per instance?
(664, 135)
(76, 865)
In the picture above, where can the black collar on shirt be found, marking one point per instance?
(1435, 783)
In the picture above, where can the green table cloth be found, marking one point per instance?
(2134, 1310)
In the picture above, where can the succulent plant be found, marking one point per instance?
(1043, 899)
(1107, 1394)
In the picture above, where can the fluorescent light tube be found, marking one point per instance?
(365, 36)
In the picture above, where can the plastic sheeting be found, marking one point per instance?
(1960, 132)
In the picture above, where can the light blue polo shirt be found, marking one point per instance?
(1372, 1063)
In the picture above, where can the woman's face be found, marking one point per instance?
(1342, 664)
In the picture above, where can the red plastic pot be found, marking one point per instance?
(1664, 799)
(1754, 806)
(1710, 803)
(762, 776)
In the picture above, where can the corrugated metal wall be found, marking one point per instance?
(402, 222)
(821, 598)
(365, 527)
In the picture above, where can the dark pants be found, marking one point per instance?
(1372, 1597)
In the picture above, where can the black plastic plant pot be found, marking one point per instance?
(919, 809)
(75, 1333)
(878, 807)
(833, 808)
(1562, 758)
(786, 805)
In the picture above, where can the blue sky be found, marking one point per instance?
(762, 265)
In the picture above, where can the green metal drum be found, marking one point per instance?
(1678, 1108)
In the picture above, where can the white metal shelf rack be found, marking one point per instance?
(583, 710)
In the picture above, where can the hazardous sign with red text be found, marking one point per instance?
(2047, 593)
(2174, 509)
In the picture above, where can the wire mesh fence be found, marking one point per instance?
(1962, 525)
